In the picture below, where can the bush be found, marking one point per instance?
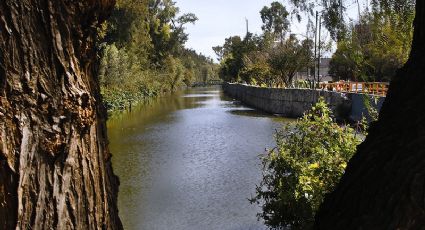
(309, 160)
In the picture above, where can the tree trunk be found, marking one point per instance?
(55, 167)
(384, 184)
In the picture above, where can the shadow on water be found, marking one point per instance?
(190, 161)
(248, 112)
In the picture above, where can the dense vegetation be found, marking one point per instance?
(311, 156)
(375, 47)
(270, 59)
(143, 54)
(309, 160)
(368, 50)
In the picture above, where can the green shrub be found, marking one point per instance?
(310, 158)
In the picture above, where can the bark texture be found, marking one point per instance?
(384, 184)
(55, 167)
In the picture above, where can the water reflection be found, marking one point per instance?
(190, 161)
(248, 112)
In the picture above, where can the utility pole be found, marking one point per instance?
(318, 58)
(315, 52)
(358, 8)
(360, 30)
(308, 41)
(247, 28)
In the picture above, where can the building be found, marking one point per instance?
(323, 72)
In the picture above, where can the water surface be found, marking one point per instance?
(190, 161)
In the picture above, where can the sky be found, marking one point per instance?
(219, 19)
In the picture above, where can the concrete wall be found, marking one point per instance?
(358, 107)
(294, 102)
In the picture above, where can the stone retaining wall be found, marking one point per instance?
(294, 102)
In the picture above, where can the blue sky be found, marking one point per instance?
(219, 19)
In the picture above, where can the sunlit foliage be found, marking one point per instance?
(310, 157)
(375, 47)
(143, 55)
(270, 59)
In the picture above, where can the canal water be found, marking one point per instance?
(190, 161)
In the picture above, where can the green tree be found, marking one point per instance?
(346, 63)
(374, 48)
(259, 59)
(199, 64)
(232, 53)
(275, 20)
(256, 70)
(143, 53)
(174, 72)
(166, 29)
(310, 158)
(288, 57)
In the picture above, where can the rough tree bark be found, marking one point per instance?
(55, 168)
(384, 184)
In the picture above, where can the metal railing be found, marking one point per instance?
(375, 88)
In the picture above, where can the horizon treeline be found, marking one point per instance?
(371, 49)
(270, 59)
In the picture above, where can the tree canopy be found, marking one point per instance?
(333, 11)
(270, 59)
(143, 49)
(375, 47)
(275, 20)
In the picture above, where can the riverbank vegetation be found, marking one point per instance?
(270, 59)
(143, 54)
(376, 46)
(310, 158)
(371, 49)
(305, 178)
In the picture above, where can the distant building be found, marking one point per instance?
(324, 72)
(324, 67)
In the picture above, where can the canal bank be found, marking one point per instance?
(294, 102)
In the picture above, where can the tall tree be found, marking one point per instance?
(167, 29)
(55, 166)
(289, 57)
(275, 20)
(375, 47)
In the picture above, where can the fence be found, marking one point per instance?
(375, 88)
